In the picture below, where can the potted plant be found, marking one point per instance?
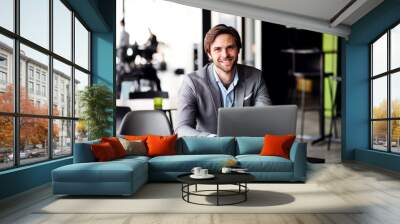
(96, 104)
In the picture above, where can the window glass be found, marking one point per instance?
(7, 14)
(33, 139)
(62, 91)
(6, 142)
(81, 131)
(6, 74)
(395, 136)
(379, 135)
(34, 21)
(81, 81)
(39, 62)
(395, 47)
(379, 56)
(222, 18)
(62, 29)
(379, 98)
(81, 45)
(395, 95)
(34, 80)
(62, 138)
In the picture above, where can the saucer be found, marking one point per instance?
(208, 176)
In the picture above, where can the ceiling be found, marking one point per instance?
(325, 16)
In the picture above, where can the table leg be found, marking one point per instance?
(188, 192)
(245, 193)
(182, 188)
(217, 194)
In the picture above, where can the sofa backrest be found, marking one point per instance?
(206, 145)
(190, 146)
(249, 145)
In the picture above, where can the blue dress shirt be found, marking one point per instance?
(228, 94)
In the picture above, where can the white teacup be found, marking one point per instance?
(226, 170)
(203, 172)
(196, 170)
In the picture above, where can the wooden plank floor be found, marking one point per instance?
(377, 189)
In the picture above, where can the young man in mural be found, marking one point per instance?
(221, 83)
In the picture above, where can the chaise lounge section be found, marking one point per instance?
(88, 177)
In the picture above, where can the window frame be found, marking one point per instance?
(16, 114)
(388, 74)
(3, 70)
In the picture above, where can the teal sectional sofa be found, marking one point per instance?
(125, 176)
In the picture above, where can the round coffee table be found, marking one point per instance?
(238, 179)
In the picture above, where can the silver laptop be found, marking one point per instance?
(257, 121)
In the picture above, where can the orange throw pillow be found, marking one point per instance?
(161, 145)
(103, 151)
(277, 145)
(136, 137)
(116, 145)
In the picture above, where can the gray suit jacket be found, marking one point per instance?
(199, 99)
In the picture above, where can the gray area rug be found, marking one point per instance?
(166, 198)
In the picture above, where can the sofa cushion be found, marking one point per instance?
(161, 145)
(135, 137)
(103, 152)
(116, 145)
(277, 145)
(134, 147)
(257, 163)
(249, 145)
(112, 171)
(185, 163)
(205, 145)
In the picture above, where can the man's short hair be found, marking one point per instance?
(217, 30)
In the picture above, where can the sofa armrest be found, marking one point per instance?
(298, 155)
(83, 152)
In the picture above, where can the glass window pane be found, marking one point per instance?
(81, 131)
(6, 142)
(395, 47)
(62, 138)
(379, 135)
(34, 97)
(6, 74)
(81, 81)
(62, 89)
(379, 55)
(7, 14)
(81, 45)
(33, 139)
(395, 94)
(395, 135)
(222, 18)
(379, 98)
(35, 21)
(62, 29)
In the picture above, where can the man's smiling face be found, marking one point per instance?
(224, 52)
